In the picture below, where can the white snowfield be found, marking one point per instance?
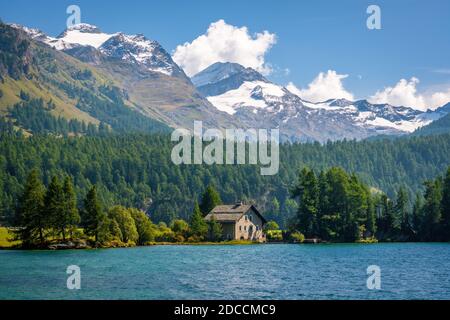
(140, 49)
(247, 96)
(260, 95)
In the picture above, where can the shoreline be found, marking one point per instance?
(210, 244)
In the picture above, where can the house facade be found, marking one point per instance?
(239, 222)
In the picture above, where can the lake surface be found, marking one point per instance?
(275, 271)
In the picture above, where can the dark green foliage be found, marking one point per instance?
(431, 227)
(24, 96)
(214, 230)
(30, 214)
(417, 216)
(7, 128)
(136, 171)
(34, 115)
(69, 217)
(446, 206)
(307, 192)
(342, 215)
(93, 218)
(198, 226)
(345, 210)
(54, 205)
(210, 199)
(403, 220)
(82, 75)
(113, 110)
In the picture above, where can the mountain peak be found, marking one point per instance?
(224, 76)
(138, 49)
(339, 102)
(84, 28)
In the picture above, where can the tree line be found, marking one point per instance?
(51, 214)
(336, 206)
(135, 170)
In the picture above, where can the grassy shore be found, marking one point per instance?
(5, 239)
(7, 243)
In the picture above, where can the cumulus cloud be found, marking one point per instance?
(325, 86)
(223, 42)
(404, 93)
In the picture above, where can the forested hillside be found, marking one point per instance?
(439, 126)
(41, 89)
(136, 170)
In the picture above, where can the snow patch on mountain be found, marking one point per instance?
(84, 34)
(232, 89)
(254, 94)
(216, 72)
(130, 48)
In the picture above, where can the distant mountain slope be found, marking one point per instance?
(152, 81)
(252, 99)
(222, 77)
(439, 126)
(75, 90)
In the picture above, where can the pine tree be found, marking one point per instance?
(432, 210)
(386, 220)
(93, 219)
(54, 205)
(198, 225)
(210, 199)
(371, 224)
(30, 216)
(417, 216)
(445, 207)
(340, 219)
(402, 212)
(323, 218)
(214, 230)
(307, 192)
(69, 216)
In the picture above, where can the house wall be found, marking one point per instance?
(228, 231)
(249, 227)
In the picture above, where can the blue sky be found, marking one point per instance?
(311, 36)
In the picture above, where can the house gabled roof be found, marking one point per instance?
(232, 213)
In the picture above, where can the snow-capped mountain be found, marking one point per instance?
(252, 99)
(222, 77)
(134, 49)
(144, 71)
(157, 87)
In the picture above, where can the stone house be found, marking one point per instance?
(239, 222)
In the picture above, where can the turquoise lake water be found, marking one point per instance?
(275, 271)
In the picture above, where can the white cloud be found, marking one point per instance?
(325, 86)
(404, 93)
(225, 43)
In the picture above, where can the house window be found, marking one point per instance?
(240, 228)
(245, 228)
(246, 218)
(251, 218)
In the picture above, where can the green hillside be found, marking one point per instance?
(30, 70)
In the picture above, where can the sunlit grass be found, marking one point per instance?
(6, 238)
